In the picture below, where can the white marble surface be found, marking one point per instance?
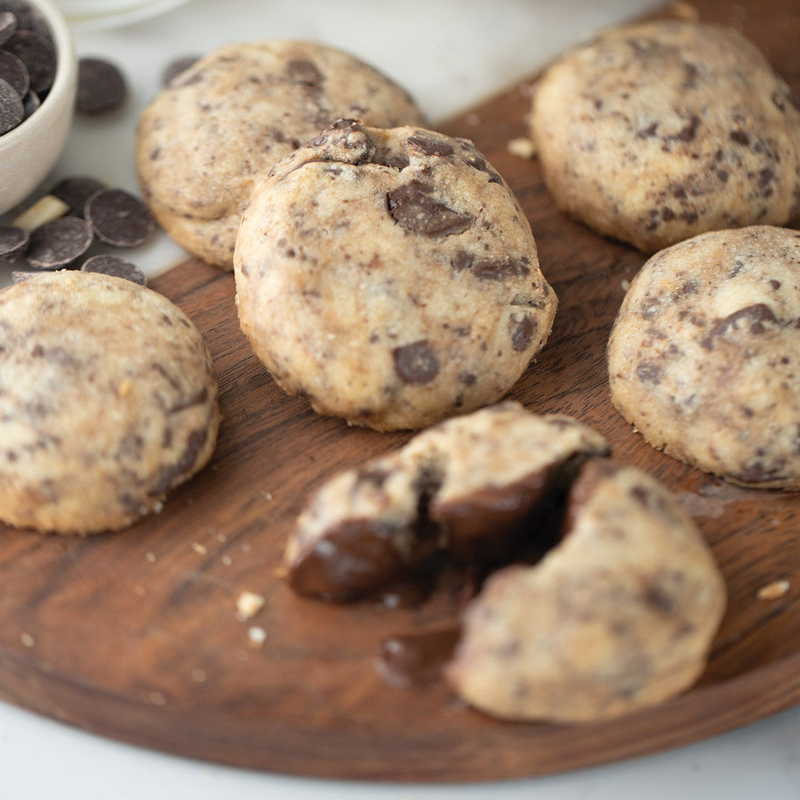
(450, 54)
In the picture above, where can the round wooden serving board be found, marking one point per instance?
(134, 635)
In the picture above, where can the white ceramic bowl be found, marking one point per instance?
(30, 151)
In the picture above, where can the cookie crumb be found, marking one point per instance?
(199, 548)
(151, 557)
(266, 495)
(522, 147)
(158, 699)
(473, 120)
(773, 591)
(248, 605)
(27, 640)
(626, 284)
(226, 560)
(220, 537)
(687, 11)
(257, 636)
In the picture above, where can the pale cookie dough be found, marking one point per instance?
(618, 617)
(107, 402)
(658, 131)
(704, 357)
(391, 277)
(207, 137)
(472, 486)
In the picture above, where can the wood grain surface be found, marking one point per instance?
(134, 635)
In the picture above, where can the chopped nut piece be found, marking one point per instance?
(248, 605)
(44, 210)
(522, 147)
(773, 591)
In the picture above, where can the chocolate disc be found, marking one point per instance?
(101, 86)
(176, 67)
(8, 24)
(30, 103)
(59, 243)
(118, 218)
(117, 266)
(13, 242)
(13, 72)
(12, 112)
(75, 192)
(38, 56)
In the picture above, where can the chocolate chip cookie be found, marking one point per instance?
(107, 402)
(704, 354)
(655, 132)
(617, 617)
(470, 486)
(391, 277)
(225, 120)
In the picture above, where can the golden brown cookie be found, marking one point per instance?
(107, 402)
(704, 357)
(655, 132)
(390, 277)
(209, 135)
(617, 617)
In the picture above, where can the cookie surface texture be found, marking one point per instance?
(656, 132)
(107, 401)
(704, 357)
(207, 137)
(617, 617)
(390, 277)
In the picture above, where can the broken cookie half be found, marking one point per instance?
(620, 612)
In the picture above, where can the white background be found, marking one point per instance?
(450, 55)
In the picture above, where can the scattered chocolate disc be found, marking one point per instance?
(101, 86)
(12, 112)
(13, 241)
(75, 192)
(118, 218)
(176, 67)
(13, 72)
(8, 24)
(30, 103)
(57, 244)
(117, 266)
(38, 56)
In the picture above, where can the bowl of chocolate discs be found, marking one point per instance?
(38, 82)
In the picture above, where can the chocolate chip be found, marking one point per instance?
(416, 363)
(177, 67)
(431, 145)
(30, 103)
(59, 243)
(649, 372)
(757, 315)
(8, 24)
(101, 86)
(75, 192)
(523, 328)
(114, 265)
(38, 56)
(13, 242)
(12, 112)
(740, 137)
(13, 72)
(304, 72)
(118, 218)
(412, 206)
(500, 269)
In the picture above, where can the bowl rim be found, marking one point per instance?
(66, 68)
